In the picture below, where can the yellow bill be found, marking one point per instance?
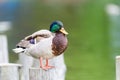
(63, 31)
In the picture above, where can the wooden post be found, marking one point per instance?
(27, 62)
(3, 49)
(40, 74)
(4, 26)
(57, 73)
(117, 67)
(10, 71)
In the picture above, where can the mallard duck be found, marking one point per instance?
(45, 44)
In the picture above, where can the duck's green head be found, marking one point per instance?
(57, 26)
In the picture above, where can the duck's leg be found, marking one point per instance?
(46, 67)
(41, 65)
(47, 64)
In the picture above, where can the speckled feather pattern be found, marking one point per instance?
(59, 43)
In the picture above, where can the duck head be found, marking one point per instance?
(57, 26)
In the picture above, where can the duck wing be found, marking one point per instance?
(39, 35)
(30, 40)
(42, 49)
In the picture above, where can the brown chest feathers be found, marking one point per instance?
(59, 44)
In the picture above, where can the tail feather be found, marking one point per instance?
(18, 50)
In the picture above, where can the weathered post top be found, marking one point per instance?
(9, 71)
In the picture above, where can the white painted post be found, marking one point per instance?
(10, 71)
(40, 74)
(3, 49)
(27, 62)
(4, 26)
(57, 73)
(117, 67)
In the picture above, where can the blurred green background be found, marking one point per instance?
(89, 55)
